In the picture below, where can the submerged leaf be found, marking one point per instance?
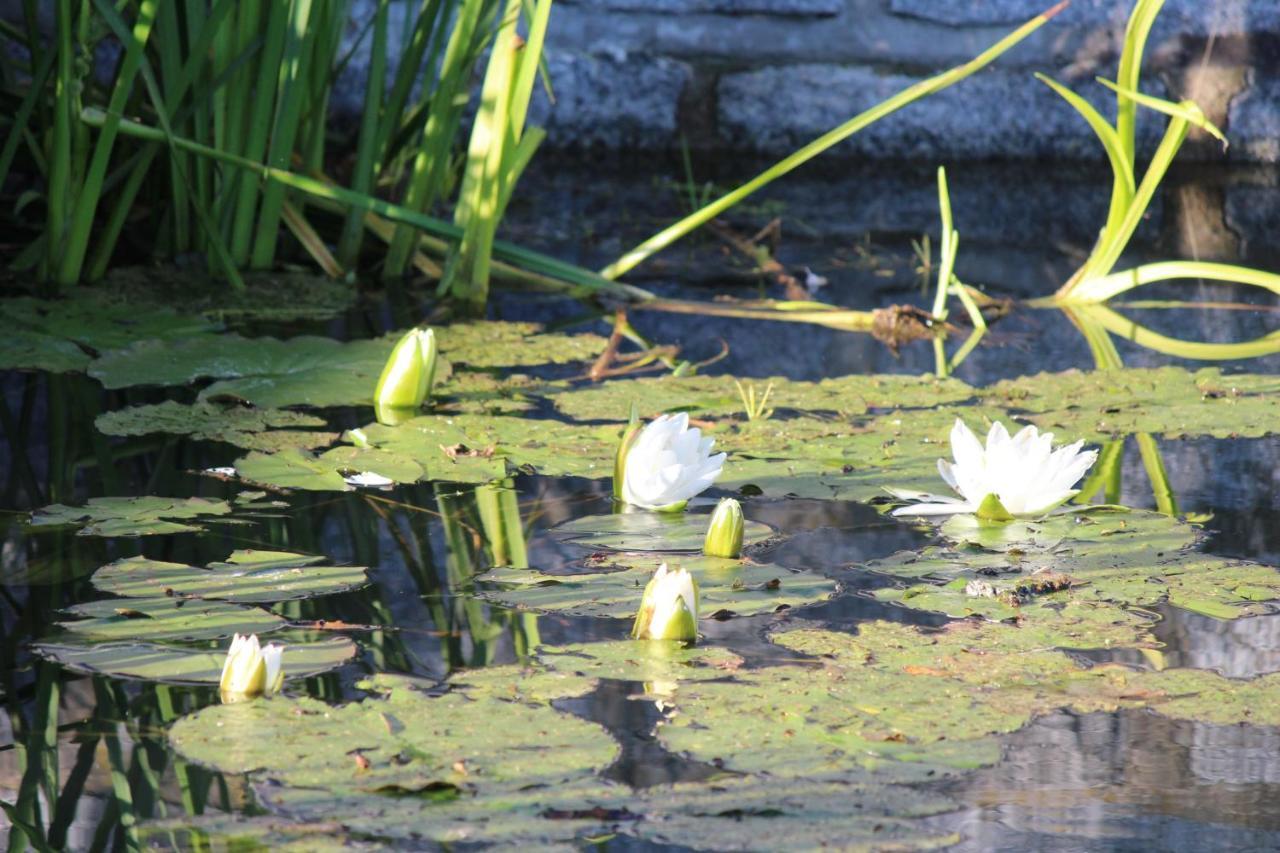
(246, 576)
(141, 516)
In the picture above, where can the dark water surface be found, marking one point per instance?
(1130, 780)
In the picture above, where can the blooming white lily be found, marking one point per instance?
(1016, 476)
(667, 463)
(668, 608)
(406, 378)
(250, 669)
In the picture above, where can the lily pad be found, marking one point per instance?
(726, 587)
(1128, 558)
(1169, 401)
(648, 531)
(171, 664)
(141, 516)
(220, 831)
(245, 576)
(243, 426)
(718, 396)
(64, 336)
(167, 619)
(411, 743)
(493, 343)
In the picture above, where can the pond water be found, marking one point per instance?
(1076, 766)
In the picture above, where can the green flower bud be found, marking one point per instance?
(724, 534)
(406, 379)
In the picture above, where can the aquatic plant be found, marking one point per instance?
(668, 608)
(1011, 477)
(667, 463)
(251, 670)
(724, 533)
(406, 380)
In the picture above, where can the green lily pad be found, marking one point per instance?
(718, 396)
(245, 576)
(167, 619)
(141, 516)
(648, 531)
(221, 831)
(304, 656)
(294, 468)
(493, 343)
(725, 587)
(763, 814)
(1120, 559)
(63, 336)
(265, 372)
(243, 426)
(891, 704)
(1169, 401)
(412, 743)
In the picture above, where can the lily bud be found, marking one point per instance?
(406, 379)
(724, 534)
(668, 608)
(251, 670)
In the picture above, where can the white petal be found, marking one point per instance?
(965, 447)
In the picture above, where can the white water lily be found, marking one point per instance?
(667, 463)
(251, 669)
(1018, 476)
(668, 608)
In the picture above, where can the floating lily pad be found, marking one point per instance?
(725, 587)
(304, 656)
(221, 831)
(763, 814)
(294, 468)
(493, 343)
(141, 516)
(1128, 558)
(246, 576)
(243, 426)
(64, 336)
(274, 295)
(718, 395)
(418, 753)
(648, 531)
(1169, 401)
(265, 372)
(167, 619)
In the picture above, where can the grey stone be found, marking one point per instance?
(1254, 123)
(998, 113)
(1189, 17)
(619, 100)
(781, 8)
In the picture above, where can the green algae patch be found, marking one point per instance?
(64, 336)
(1089, 563)
(1169, 401)
(227, 422)
(648, 531)
(247, 576)
(221, 831)
(305, 655)
(166, 619)
(141, 516)
(726, 587)
(273, 295)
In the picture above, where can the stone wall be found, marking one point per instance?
(764, 76)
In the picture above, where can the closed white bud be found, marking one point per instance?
(668, 608)
(724, 534)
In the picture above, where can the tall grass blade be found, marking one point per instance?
(1135, 41)
(1102, 288)
(364, 175)
(912, 93)
(1188, 110)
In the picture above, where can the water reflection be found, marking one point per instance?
(1132, 780)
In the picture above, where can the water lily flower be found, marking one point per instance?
(668, 608)
(250, 669)
(1012, 477)
(724, 534)
(406, 379)
(665, 464)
